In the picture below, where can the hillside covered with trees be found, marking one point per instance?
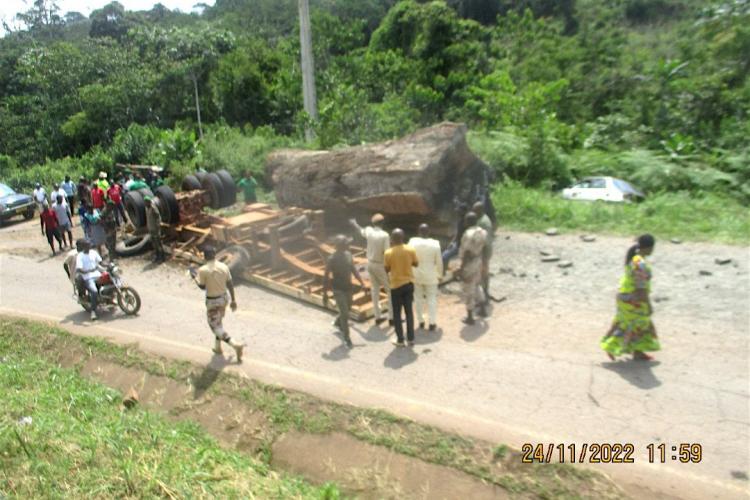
(654, 91)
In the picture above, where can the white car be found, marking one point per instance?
(603, 189)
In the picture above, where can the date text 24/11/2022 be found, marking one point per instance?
(606, 453)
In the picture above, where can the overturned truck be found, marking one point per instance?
(419, 178)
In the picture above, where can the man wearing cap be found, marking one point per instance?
(426, 275)
(341, 266)
(214, 277)
(399, 261)
(102, 182)
(378, 242)
(153, 222)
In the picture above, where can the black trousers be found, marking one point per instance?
(403, 297)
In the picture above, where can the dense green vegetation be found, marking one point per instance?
(79, 444)
(655, 91)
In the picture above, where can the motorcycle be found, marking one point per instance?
(112, 292)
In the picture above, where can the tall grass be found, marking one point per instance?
(669, 215)
(79, 444)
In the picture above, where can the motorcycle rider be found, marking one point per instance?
(88, 270)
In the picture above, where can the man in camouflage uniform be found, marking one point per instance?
(214, 277)
(484, 221)
(109, 222)
(153, 222)
(471, 254)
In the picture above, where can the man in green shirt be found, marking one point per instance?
(248, 185)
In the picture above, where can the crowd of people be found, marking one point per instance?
(409, 273)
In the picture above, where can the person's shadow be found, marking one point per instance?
(636, 372)
(424, 337)
(471, 333)
(375, 333)
(204, 380)
(338, 353)
(400, 357)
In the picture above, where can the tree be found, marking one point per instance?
(42, 19)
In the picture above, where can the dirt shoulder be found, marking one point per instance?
(370, 453)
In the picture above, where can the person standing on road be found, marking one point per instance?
(88, 264)
(109, 223)
(484, 221)
(426, 275)
(64, 220)
(40, 196)
(248, 184)
(49, 226)
(341, 266)
(83, 211)
(473, 243)
(97, 197)
(214, 277)
(633, 330)
(153, 222)
(69, 187)
(399, 261)
(84, 191)
(453, 247)
(378, 242)
(114, 193)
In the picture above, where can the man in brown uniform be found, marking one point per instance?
(471, 254)
(214, 277)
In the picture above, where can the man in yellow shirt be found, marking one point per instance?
(214, 277)
(399, 261)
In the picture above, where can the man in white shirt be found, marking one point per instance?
(426, 275)
(378, 242)
(88, 263)
(40, 196)
(64, 219)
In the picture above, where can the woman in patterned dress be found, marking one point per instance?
(632, 331)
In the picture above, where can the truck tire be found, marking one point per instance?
(212, 184)
(190, 183)
(135, 207)
(200, 176)
(236, 258)
(133, 245)
(230, 188)
(170, 210)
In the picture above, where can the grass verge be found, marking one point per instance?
(80, 444)
(285, 410)
(710, 218)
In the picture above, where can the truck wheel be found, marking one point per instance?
(190, 183)
(215, 188)
(133, 245)
(230, 188)
(170, 210)
(135, 208)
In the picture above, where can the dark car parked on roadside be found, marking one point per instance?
(12, 204)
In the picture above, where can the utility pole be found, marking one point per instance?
(308, 68)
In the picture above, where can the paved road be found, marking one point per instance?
(503, 382)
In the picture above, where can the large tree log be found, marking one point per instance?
(413, 179)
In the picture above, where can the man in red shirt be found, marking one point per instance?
(97, 197)
(115, 194)
(49, 221)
